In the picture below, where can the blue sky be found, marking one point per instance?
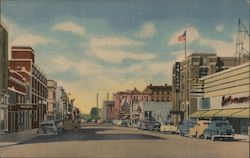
(92, 46)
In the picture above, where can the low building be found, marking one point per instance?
(158, 111)
(227, 96)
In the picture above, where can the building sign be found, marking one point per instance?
(227, 100)
(177, 76)
(237, 100)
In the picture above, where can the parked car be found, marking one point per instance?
(144, 125)
(219, 129)
(48, 127)
(154, 126)
(169, 127)
(185, 126)
(199, 129)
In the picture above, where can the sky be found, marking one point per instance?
(105, 46)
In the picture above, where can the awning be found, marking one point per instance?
(227, 112)
(197, 114)
(242, 114)
(210, 113)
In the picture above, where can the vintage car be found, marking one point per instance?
(169, 127)
(219, 129)
(185, 126)
(199, 128)
(48, 127)
(144, 125)
(154, 126)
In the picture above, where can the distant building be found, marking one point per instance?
(127, 104)
(3, 78)
(23, 62)
(52, 100)
(107, 110)
(196, 65)
(159, 93)
(157, 111)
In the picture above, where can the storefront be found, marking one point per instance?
(228, 95)
(22, 117)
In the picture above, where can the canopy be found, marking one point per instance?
(197, 114)
(227, 112)
(210, 113)
(242, 114)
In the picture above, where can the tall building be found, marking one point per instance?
(159, 93)
(23, 62)
(3, 78)
(52, 100)
(195, 66)
(107, 110)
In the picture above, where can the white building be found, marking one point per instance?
(158, 111)
(227, 96)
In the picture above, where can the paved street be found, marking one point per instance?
(121, 142)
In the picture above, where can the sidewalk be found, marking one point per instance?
(15, 138)
(241, 137)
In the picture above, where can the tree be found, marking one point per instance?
(94, 113)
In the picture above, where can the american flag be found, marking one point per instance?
(182, 37)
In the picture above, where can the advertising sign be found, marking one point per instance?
(177, 76)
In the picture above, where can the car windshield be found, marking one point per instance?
(222, 124)
(46, 125)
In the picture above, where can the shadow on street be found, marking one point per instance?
(88, 134)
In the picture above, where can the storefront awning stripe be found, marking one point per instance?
(197, 114)
(210, 113)
(242, 114)
(227, 112)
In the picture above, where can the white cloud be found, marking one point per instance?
(219, 28)
(113, 42)
(111, 49)
(29, 39)
(63, 64)
(221, 48)
(70, 27)
(192, 35)
(21, 36)
(147, 30)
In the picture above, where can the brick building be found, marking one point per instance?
(185, 73)
(19, 112)
(23, 62)
(3, 78)
(127, 104)
(159, 93)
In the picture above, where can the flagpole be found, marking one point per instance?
(185, 45)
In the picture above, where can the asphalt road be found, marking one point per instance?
(121, 142)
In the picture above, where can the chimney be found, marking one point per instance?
(107, 96)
